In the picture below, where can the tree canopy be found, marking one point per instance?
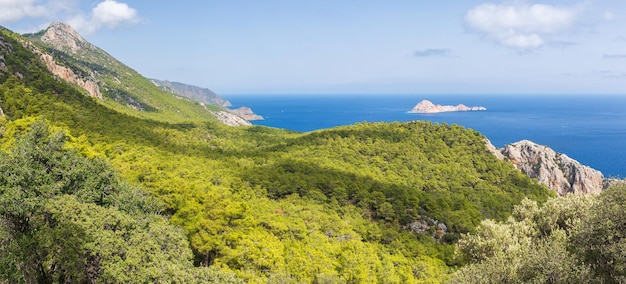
(67, 218)
(575, 239)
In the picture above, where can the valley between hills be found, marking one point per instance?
(108, 176)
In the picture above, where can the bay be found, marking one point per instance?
(589, 128)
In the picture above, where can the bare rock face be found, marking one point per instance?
(426, 106)
(66, 74)
(425, 225)
(5, 47)
(3, 66)
(246, 113)
(557, 171)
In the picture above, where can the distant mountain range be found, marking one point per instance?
(192, 92)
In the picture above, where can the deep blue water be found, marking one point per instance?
(590, 129)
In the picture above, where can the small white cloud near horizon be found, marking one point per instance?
(521, 25)
(109, 13)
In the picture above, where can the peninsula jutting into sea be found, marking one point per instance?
(426, 106)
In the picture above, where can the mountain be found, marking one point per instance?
(72, 58)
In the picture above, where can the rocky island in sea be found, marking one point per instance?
(427, 106)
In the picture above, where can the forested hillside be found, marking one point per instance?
(372, 202)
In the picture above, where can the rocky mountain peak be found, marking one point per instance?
(557, 171)
(63, 37)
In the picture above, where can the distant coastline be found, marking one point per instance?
(572, 128)
(426, 106)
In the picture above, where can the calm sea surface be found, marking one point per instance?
(590, 129)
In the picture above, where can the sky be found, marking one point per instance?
(354, 47)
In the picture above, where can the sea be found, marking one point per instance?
(588, 128)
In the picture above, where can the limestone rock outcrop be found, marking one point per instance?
(88, 84)
(555, 170)
(426, 106)
(61, 36)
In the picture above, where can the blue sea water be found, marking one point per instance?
(590, 129)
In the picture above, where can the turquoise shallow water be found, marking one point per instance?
(590, 129)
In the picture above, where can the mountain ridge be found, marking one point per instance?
(204, 95)
(76, 60)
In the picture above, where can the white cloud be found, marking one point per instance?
(108, 13)
(521, 25)
(111, 14)
(14, 10)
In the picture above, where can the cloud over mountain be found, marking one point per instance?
(108, 13)
(521, 25)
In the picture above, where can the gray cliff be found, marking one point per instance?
(555, 170)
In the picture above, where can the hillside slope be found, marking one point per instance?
(371, 202)
(120, 87)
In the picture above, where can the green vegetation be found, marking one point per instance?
(145, 196)
(576, 239)
(68, 219)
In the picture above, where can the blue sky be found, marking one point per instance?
(358, 47)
